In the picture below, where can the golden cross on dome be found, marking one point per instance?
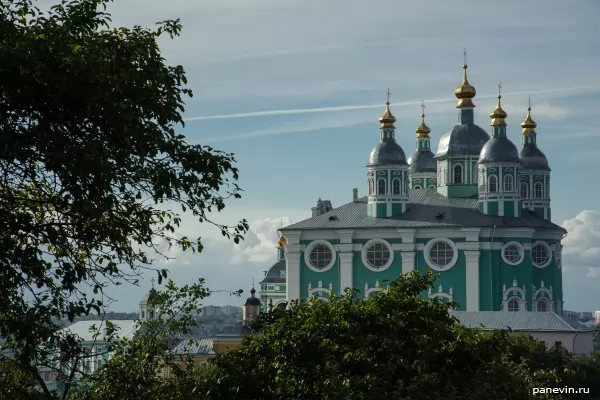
(388, 95)
(529, 101)
(465, 57)
(423, 107)
(500, 89)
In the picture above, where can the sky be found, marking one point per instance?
(295, 88)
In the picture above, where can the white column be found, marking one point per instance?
(408, 261)
(292, 273)
(346, 270)
(472, 281)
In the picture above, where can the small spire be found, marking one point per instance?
(465, 92)
(423, 130)
(152, 282)
(498, 115)
(387, 119)
(529, 124)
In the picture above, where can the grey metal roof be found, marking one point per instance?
(533, 158)
(518, 321)
(499, 149)
(422, 212)
(146, 297)
(125, 329)
(422, 161)
(194, 346)
(462, 139)
(274, 274)
(238, 329)
(387, 152)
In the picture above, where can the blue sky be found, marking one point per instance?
(295, 88)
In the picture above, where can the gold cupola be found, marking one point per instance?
(498, 115)
(465, 92)
(529, 124)
(282, 241)
(387, 119)
(423, 130)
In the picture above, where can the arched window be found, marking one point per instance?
(524, 191)
(458, 173)
(370, 186)
(396, 186)
(542, 305)
(492, 184)
(416, 187)
(537, 188)
(431, 187)
(513, 305)
(381, 186)
(475, 174)
(508, 183)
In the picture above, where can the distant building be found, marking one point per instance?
(272, 287)
(597, 317)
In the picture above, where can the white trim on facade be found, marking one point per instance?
(408, 261)
(292, 273)
(427, 251)
(521, 249)
(472, 280)
(319, 290)
(365, 250)
(548, 252)
(514, 293)
(346, 271)
(310, 247)
(368, 290)
(440, 293)
(542, 294)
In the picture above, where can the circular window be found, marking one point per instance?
(319, 255)
(377, 255)
(512, 253)
(440, 254)
(540, 254)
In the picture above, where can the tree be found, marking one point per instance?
(395, 344)
(91, 165)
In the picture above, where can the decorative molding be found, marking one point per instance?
(346, 271)
(427, 251)
(519, 247)
(309, 250)
(440, 293)
(472, 280)
(365, 250)
(548, 253)
(514, 293)
(408, 261)
(369, 290)
(320, 291)
(345, 236)
(292, 271)
(545, 294)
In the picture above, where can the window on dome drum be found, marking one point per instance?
(508, 183)
(320, 256)
(458, 173)
(441, 254)
(513, 305)
(475, 174)
(396, 186)
(492, 184)
(416, 187)
(370, 186)
(539, 254)
(378, 255)
(524, 191)
(542, 305)
(381, 186)
(538, 190)
(512, 253)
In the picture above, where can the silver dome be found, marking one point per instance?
(462, 139)
(422, 161)
(533, 158)
(387, 152)
(499, 149)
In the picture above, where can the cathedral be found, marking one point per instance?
(477, 211)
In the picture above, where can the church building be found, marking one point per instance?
(477, 212)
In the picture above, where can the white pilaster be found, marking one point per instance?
(408, 261)
(472, 281)
(346, 270)
(292, 271)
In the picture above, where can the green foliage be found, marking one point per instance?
(16, 382)
(91, 165)
(393, 345)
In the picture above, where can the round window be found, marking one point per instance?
(378, 255)
(441, 254)
(512, 253)
(540, 255)
(321, 256)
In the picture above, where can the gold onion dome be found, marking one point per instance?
(529, 124)
(423, 130)
(282, 242)
(498, 115)
(387, 119)
(465, 92)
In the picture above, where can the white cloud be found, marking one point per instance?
(582, 244)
